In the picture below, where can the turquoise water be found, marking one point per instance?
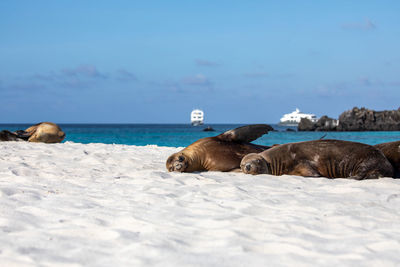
(178, 135)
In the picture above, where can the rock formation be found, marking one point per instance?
(369, 120)
(357, 119)
(323, 124)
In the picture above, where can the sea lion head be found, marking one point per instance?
(254, 163)
(178, 162)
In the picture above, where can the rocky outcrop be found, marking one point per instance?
(357, 119)
(362, 119)
(306, 125)
(323, 124)
(208, 129)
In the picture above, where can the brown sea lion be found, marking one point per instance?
(219, 153)
(45, 132)
(391, 150)
(326, 158)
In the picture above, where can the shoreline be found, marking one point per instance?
(184, 135)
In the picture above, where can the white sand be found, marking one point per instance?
(115, 205)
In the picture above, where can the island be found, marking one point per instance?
(356, 119)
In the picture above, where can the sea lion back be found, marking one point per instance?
(391, 150)
(45, 132)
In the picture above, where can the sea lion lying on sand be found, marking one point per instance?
(327, 158)
(391, 150)
(9, 136)
(45, 132)
(219, 153)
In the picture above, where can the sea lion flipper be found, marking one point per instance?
(246, 133)
(23, 134)
(8, 136)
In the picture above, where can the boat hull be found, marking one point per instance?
(288, 123)
(197, 123)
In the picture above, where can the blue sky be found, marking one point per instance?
(154, 61)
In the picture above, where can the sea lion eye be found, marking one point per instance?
(181, 158)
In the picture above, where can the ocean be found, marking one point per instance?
(180, 135)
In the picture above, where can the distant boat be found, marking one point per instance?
(197, 117)
(293, 119)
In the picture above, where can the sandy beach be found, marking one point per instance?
(77, 204)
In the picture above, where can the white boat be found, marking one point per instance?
(293, 119)
(197, 117)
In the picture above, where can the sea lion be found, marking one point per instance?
(9, 136)
(219, 153)
(327, 158)
(391, 150)
(45, 132)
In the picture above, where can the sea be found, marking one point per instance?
(181, 135)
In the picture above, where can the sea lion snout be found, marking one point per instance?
(248, 167)
(176, 162)
(178, 166)
(253, 164)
